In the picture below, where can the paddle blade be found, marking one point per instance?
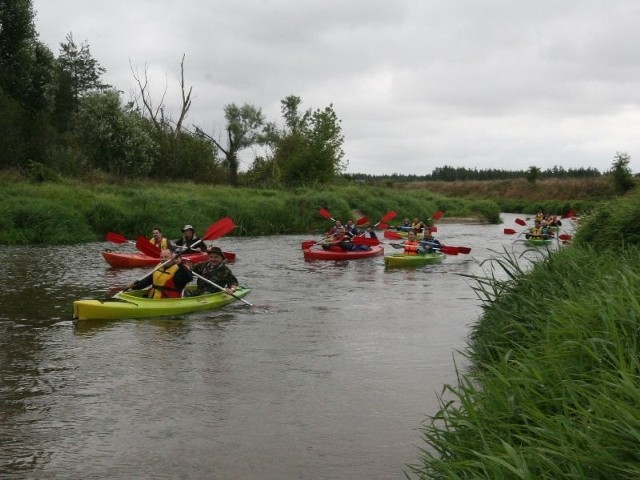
(519, 221)
(382, 226)
(465, 250)
(392, 235)
(509, 231)
(326, 214)
(145, 246)
(569, 214)
(387, 216)
(362, 221)
(308, 244)
(365, 241)
(564, 237)
(219, 229)
(433, 228)
(116, 238)
(438, 215)
(449, 250)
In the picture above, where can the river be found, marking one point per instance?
(328, 376)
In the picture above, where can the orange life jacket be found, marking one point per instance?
(411, 248)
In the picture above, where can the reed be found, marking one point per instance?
(555, 379)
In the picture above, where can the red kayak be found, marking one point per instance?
(337, 253)
(134, 260)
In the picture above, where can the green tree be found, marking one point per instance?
(533, 175)
(309, 149)
(115, 138)
(78, 74)
(243, 131)
(621, 173)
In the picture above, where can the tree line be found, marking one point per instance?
(58, 116)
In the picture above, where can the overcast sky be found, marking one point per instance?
(418, 84)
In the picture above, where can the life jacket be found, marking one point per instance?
(536, 231)
(163, 243)
(411, 248)
(163, 284)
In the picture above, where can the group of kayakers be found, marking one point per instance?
(341, 236)
(174, 272)
(544, 226)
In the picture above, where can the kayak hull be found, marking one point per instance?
(539, 242)
(336, 253)
(133, 304)
(137, 260)
(402, 260)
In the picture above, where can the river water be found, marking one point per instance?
(327, 376)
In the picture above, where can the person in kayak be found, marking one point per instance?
(159, 240)
(189, 243)
(418, 225)
(411, 244)
(429, 243)
(535, 231)
(217, 272)
(169, 280)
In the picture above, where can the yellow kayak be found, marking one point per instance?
(133, 304)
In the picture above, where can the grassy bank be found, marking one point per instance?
(555, 387)
(68, 212)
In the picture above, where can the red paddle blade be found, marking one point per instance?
(564, 236)
(219, 229)
(362, 221)
(438, 215)
(145, 246)
(365, 241)
(382, 226)
(519, 221)
(433, 228)
(449, 250)
(509, 231)
(569, 214)
(387, 216)
(116, 238)
(326, 214)
(392, 235)
(464, 250)
(308, 244)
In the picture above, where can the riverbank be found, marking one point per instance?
(69, 212)
(555, 387)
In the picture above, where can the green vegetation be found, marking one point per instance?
(554, 387)
(66, 212)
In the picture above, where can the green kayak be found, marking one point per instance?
(133, 304)
(403, 260)
(539, 242)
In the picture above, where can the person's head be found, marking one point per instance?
(411, 236)
(338, 224)
(406, 221)
(340, 231)
(350, 223)
(156, 233)
(427, 234)
(216, 255)
(188, 231)
(165, 254)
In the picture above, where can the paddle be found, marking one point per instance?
(215, 231)
(392, 235)
(444, 249)
(222, 289)
(145, 246)
(519, 221)
(326, 214)
(117, 238)
(438, 215)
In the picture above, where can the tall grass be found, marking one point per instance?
(555, 385)
(69, 212)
